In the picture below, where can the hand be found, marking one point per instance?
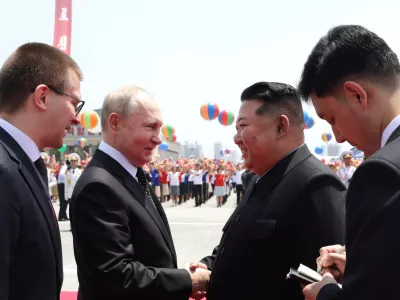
(333, 260)
(200, 279)
(311, 291)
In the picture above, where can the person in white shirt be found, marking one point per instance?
(174, 184)
(237, 178)
(197, 184)
(348, 169)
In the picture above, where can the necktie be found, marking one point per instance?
(42, 169)
(144, 184)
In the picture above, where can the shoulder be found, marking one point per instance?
(95, 176)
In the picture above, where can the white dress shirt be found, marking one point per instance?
(24, 141)
(119, 157)
(389, 130)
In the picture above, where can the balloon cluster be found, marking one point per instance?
(225, 152)
(169, 133)
(210, 111)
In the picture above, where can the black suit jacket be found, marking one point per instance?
(373, 225)
(123, 245)
(30, 244)
(281, 222)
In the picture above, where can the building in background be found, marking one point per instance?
(235, 156)
(217, 150)
(192, 149)
(333, 149)
(172, 153)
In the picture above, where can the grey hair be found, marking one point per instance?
(121, 101)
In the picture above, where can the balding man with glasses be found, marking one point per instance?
(39, 100)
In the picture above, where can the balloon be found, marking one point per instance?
(172, 139)
(167, 130)
(227, 151)
(163, 146)
(226, 118)
(310, 123)
(209, 111)
(63, 148)
(326, 136)
(89, 119)
(82, 142)
(96, 129)
(319, 150)
(306, 117)
(221, 152)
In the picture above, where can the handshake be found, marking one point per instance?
(200, 276)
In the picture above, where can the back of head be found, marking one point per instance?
(348, 52)
(277, 99)
(30, 65)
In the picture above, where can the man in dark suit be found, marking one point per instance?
(352, 77)
(39, 99)
(293, 206)
(122, 241)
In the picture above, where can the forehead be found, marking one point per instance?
(324, 105)
(73, 84)
(148, 110)
(248, 109)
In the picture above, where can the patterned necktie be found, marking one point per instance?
(145, 185)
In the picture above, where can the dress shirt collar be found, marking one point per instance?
(24, 141)
(389, 130)
(119, 157)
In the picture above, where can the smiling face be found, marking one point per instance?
(139, 133)
(256, 136)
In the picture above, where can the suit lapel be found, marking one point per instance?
(40, 193)
(134, 187)
(395, 134)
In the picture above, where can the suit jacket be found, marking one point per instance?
(30, 247)
(373, 225)
(282, 221)
(123, 244)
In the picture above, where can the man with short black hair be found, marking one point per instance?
(39, 100)
(291, 209)
(353, 79)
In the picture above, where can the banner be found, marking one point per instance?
(62, 26)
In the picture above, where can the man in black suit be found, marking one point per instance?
(39, 99)
(122, 241)
(293, 206)
(352, 77)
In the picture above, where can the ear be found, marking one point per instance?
(355, 94)
(282, 126)
(41, 97)
(114, 122)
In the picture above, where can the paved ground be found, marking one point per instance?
(196, 231)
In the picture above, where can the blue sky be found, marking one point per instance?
(191, 52)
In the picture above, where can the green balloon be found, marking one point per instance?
(63, 148)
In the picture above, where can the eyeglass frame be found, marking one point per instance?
(65, 94)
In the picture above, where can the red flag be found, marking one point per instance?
(62, 26)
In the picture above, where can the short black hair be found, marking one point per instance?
(276, 97)
(346, 51)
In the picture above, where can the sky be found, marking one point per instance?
(187, 53)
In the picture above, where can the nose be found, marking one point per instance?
(76, 120)
(237, 139)
(339, 138)
(157, 139)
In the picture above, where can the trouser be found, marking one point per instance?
(62, 213)
(205, 190)
(239, 193)
(197, 193)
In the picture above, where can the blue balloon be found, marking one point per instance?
(319, 150)
(163, 146)
(221, 152)
(306, 117)
(310, 123)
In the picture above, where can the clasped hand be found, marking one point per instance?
(200, 276)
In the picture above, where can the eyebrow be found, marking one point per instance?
(240, 119)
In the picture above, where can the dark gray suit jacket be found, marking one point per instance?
(373, 225)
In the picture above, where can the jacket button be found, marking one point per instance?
(237, 218)
(222, 250)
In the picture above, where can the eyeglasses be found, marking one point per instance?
(79, 103)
